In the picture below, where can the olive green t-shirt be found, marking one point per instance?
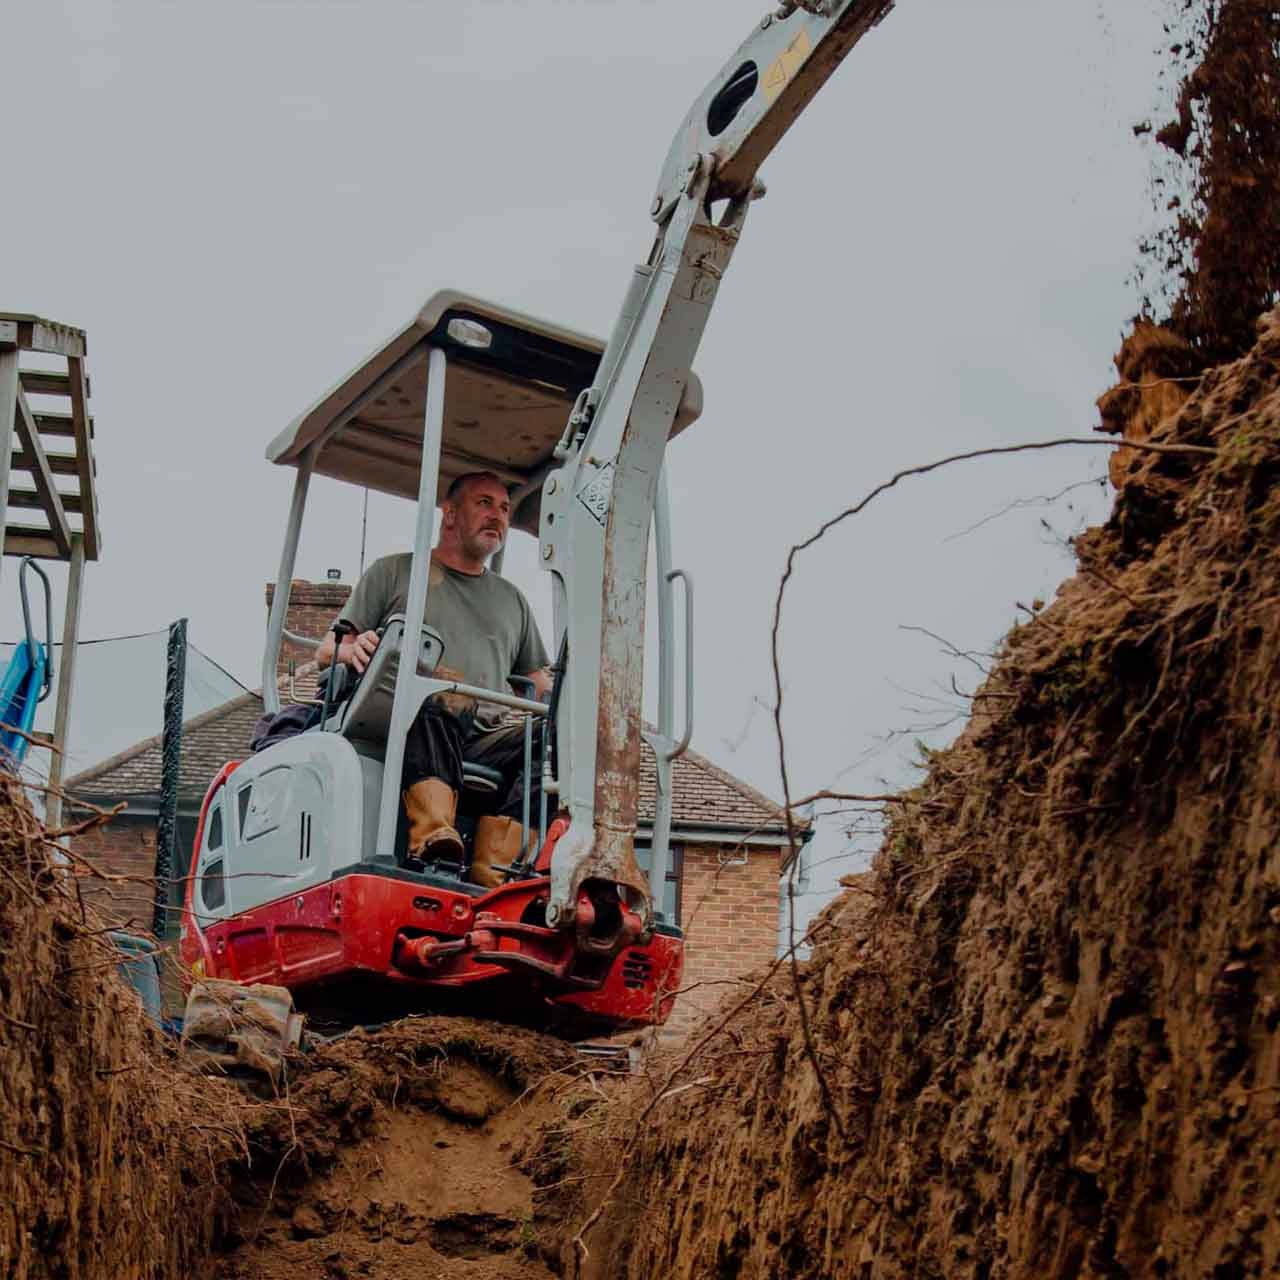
(487, 626)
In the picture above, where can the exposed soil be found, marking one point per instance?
(105, 1141)
(1049, 1019)
(1221, 243)
(399, 1154)
(1045, 1027)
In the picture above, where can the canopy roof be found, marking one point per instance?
(506, 404)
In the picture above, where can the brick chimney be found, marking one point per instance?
(312, 607)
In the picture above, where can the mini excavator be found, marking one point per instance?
(300, 878)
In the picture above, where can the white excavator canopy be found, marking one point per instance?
(511, 384)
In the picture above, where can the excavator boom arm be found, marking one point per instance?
(597, 508)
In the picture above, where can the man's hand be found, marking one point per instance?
(357, 651)
(542, 682)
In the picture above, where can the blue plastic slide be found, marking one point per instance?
(28, 677)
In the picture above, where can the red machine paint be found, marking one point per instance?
(377, 940)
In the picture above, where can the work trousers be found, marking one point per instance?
(440, 740)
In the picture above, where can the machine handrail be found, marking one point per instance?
(482, 695)
(683, 745)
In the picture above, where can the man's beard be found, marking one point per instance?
(478, 547)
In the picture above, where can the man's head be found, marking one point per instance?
(475, 515)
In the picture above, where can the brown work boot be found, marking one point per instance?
(431, 805)
(497, 841)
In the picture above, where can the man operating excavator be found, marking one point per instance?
(489, 635)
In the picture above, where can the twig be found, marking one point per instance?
(852, 797)
(93, 820)
(1018, 504)
(564, 1182)
(954, 650)
(1038, 615)
(789, 570)
(1157, 382)
(34, 739)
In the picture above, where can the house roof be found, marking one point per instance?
(706, 797)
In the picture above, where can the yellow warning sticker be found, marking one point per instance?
(782, 71)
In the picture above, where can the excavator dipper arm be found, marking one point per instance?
(742, 114)
(598, 506)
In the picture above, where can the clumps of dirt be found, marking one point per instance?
(400, 1153)
(106, 1142)
(1222, 241)
(1049, 1020)
(1158, 371)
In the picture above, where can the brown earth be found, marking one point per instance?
(395, 1153)
(1219, 252)
(104, 1138)
(399, 1154)
(1048, 1022)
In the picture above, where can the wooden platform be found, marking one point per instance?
(49, 486)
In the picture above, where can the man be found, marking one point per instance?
(489, 634)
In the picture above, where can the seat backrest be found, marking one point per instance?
(366, 715)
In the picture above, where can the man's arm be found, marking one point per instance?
(361, 612)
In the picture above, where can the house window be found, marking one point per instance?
(669, 907)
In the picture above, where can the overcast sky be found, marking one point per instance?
(239, 200)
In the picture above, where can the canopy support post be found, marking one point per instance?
(284, 580)
(405, 708)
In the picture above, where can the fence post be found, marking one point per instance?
(170, 755)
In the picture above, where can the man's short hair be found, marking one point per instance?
(454, 491)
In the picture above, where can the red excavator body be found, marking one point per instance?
(376, 942)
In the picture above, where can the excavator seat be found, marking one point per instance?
(364, 717)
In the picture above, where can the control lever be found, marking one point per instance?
(341, 627)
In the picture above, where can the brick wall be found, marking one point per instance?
(127, 847)
(124, 847)
(312, 607)
(730, 917)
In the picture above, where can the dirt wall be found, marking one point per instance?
(1047, 1024)
(107, 1145)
